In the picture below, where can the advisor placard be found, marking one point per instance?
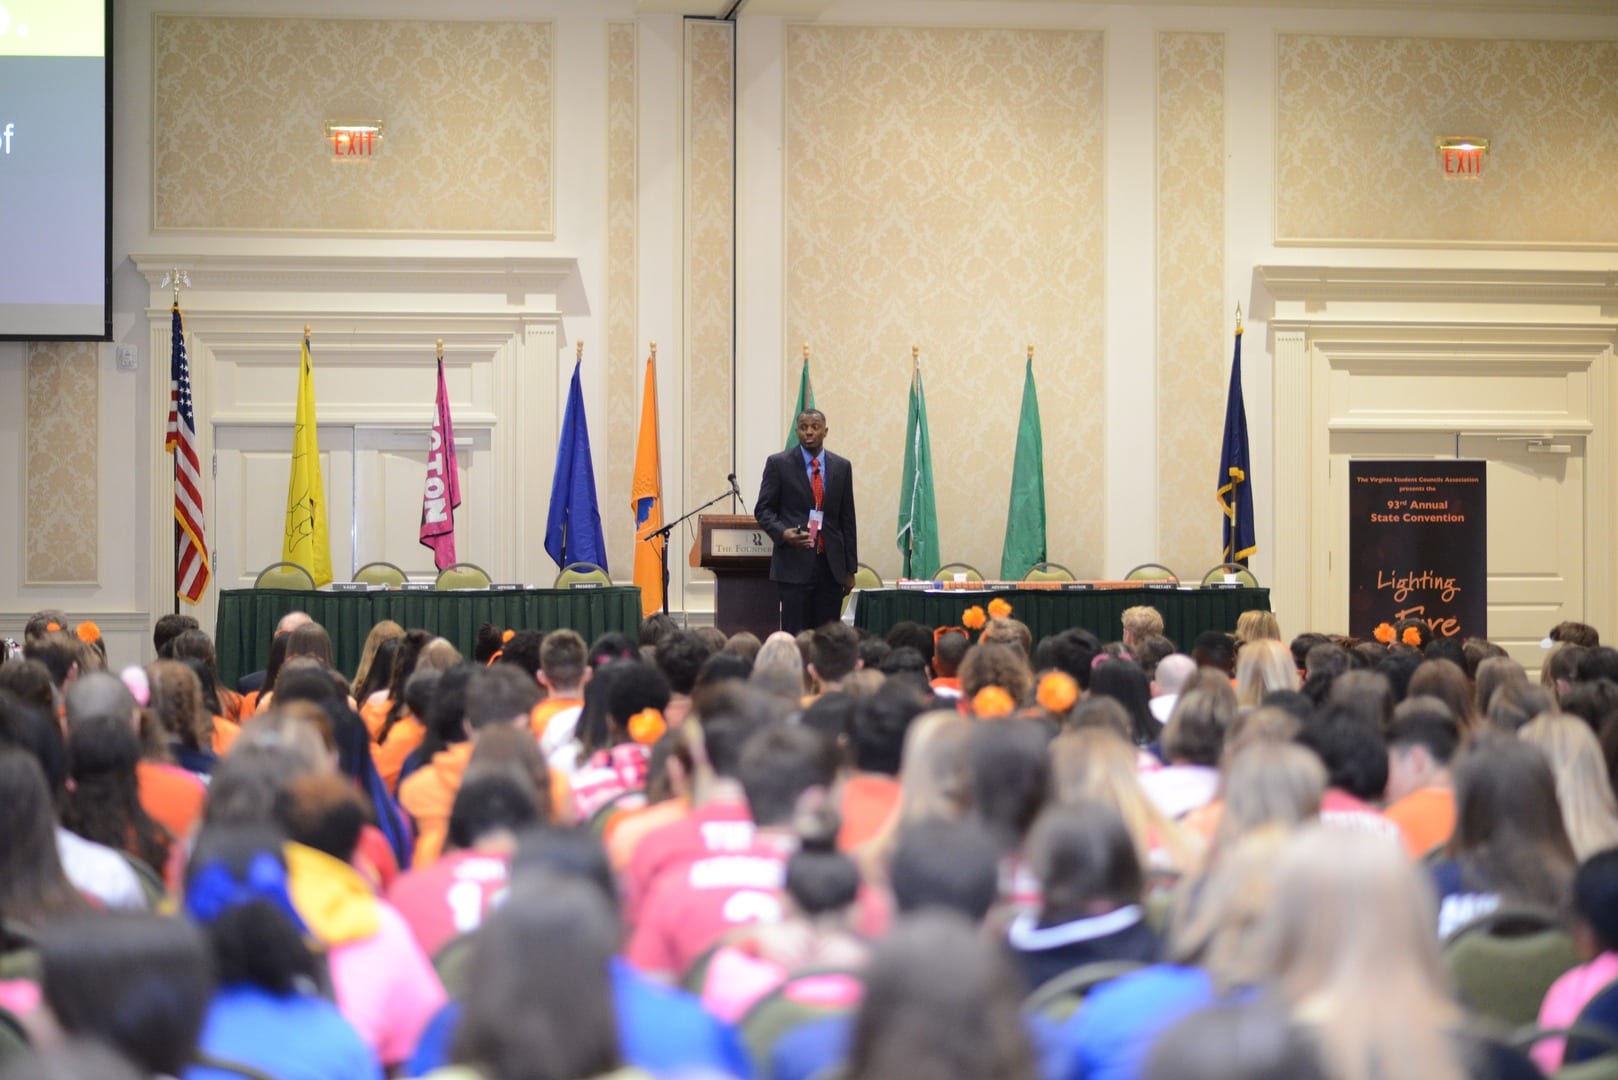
(1418, 546)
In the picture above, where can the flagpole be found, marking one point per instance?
(439, 346)
(177, 277)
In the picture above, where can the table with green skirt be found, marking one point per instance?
(1186, 612)
(247, 617)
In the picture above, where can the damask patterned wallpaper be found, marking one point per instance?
(240, 105)
(60, 491)
(944, 188)
(1192, 324)
(1356, 119)
(624, 358)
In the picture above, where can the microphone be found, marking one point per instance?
(736, 491)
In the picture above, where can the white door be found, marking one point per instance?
(253, 465)
(390, 469)
(1536, 512)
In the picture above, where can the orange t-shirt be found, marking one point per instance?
(625, 831)
(375, 713)
(225, 734)
(403, 738)
(1426, 818)
(1204, 820)
(542, 713)
(869, 799)
(170, 796)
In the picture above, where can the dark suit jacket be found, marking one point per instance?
(784, 502)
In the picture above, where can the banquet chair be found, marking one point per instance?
(284, 575)
(1217, 574)
(463, 575)
(380, 573)
(1151, 571)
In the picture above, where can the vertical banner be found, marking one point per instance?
(1418, 546)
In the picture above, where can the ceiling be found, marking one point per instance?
(810, 8)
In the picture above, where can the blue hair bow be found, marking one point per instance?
(214, 890)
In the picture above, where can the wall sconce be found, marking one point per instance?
(1461, 156)
(354, 140)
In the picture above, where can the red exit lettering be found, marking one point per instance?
(1463, 161)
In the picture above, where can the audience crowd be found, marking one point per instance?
(946, 853)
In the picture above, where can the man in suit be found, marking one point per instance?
(806, 504)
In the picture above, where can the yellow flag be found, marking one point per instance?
(646, 499)
(307, 541)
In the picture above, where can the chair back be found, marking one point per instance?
(453, 962)
(866, 578)
(573, 573)
(380, 573)
(1217, 574)
(151, 883)
(623, 802)
(284, 575)
(1151, 571)
(806, 996)
(14, 1043)
(210, 1063)
(948, 571)
(463, 575)
(1061, 997)
(1048, 571)
(1503, 963)
(1595, 1034)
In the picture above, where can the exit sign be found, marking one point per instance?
(353, 140)
(1461, 157)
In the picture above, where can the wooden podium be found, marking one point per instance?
(737, 550)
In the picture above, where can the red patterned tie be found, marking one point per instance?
(818, 486)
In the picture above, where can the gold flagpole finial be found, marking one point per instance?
(654, 348)
(440, 348)
(305, 329)
(1030, 350)
(806, 352)
(1238, 318)
(578, 350)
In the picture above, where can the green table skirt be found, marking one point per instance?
(1186, 612)
(247, 617)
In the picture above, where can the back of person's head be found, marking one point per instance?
(1071, 651)
(1218, 923)
(59, 652)
(104, 804)
(1426, 722)
(1195, 733)
(879, 725)
(29, 681)
(490, 802)
(548, 852)
(1216, 650)
(904, 661)
(940, 1002)
(1301, 645)
(949, 649)
(1492, 674)
(1324, 665)
(743, 643)
(679, 657)
(655, 627)
(1595, 897)
(872, 650)
(176, 703)
(1598, 662)
(502, 694)
(1293, 702)
(1399, 669)
(1150, 651)
(169, 627)
(1508, 821)
(1139, 622)
(307, 679)
(1008, 631)
(1561, 665)
(1084, 857)
(1173, 672)
(525, 650)
(778, 667)
(938, 863)
(1241, 1040)
(1446, 680)
(27, 727)
(42, 623)
(609, 647)
(1576, 633)
(487, 641)
(310, 639)
(140, 983)
(539, 1004)
(832, 715)
(1596, 703)
(1105, 713)
(834, 652)
(1257, 625)
(907, 633)
(1446, 648)
(1006, 760)
(1368, 694)
(248, 787)
(33, 888)
(324, 812)
(1005, 666)
(237, 890)
(1352, 749)
(85, 1058)
(419, 691)
(1270, 784)
(1583, 791)
(819, 878)
(1474, 651)
(779, 765)
(727, 717)
(1125, 682)
(723, 667)
(1514, 704)
(99, 694)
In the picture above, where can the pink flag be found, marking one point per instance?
(443, 491)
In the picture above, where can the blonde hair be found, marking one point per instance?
(1257, 626)
(933, 785)
(1005, 666)
(385, 630)
(1349, 944)
(1583, 790)
(301, 728)
(778, 667)
(1262, 666)
(1141, 622)
(1219, 914)
(1099, 764)
(1269, 784)
(437, 655)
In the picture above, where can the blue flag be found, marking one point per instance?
(573, 526)
(1235, 492)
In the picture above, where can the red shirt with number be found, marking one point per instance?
(451, 896)
(714, 827)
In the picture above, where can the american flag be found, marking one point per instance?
(191, 571)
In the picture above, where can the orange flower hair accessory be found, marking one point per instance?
(52, 627)
(88, 632)
(506, 636)
(991, 702)
(1057, 692)
(647, 726)
(1411, 636)
(999, 608)
(973, 618)
(1383, 633)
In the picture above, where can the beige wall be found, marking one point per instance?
(1099, 180)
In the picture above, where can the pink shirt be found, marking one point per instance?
(1566, 998)
(692, 906)
(1340, 810)
(449, 897)
(715, 827)
(386, 988)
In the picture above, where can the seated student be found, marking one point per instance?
(949, 649)
(1215, 650)
(177, 710)
(679, 656)
(1509, 844)
(834, 655)
(1091, 887)
(33, 888)
(686, 909)
(668, 799)
(1097, 762)
(1192, 743)
(166, 629)
(452, 896)
(196, 649)
(396, 739)
(267, 1013)
(871, 791)
(619, 727)
(104, 805)
(1140, 623)
(387, 704)
(1168, 680)
(563, 672)
(1595, 932)
(1009, 776)
(1421, 788)
(1582, 788)
(1356, 760)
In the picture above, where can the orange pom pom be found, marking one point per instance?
(991, 702)
(52, 627)
(999, 608)
(507, 635)
(1383, 633)
(1057, 692)
(1411, 636)
(88, 632)
(973, 618)
(647, 726)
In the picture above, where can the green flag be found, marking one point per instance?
(918, 509)
(806, 400)
(1025, 519)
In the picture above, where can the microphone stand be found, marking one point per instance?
(663, 552)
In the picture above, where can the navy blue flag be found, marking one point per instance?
(1235, 492)
(573, 526)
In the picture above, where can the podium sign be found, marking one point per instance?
(737, 549)
(1418, 546)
